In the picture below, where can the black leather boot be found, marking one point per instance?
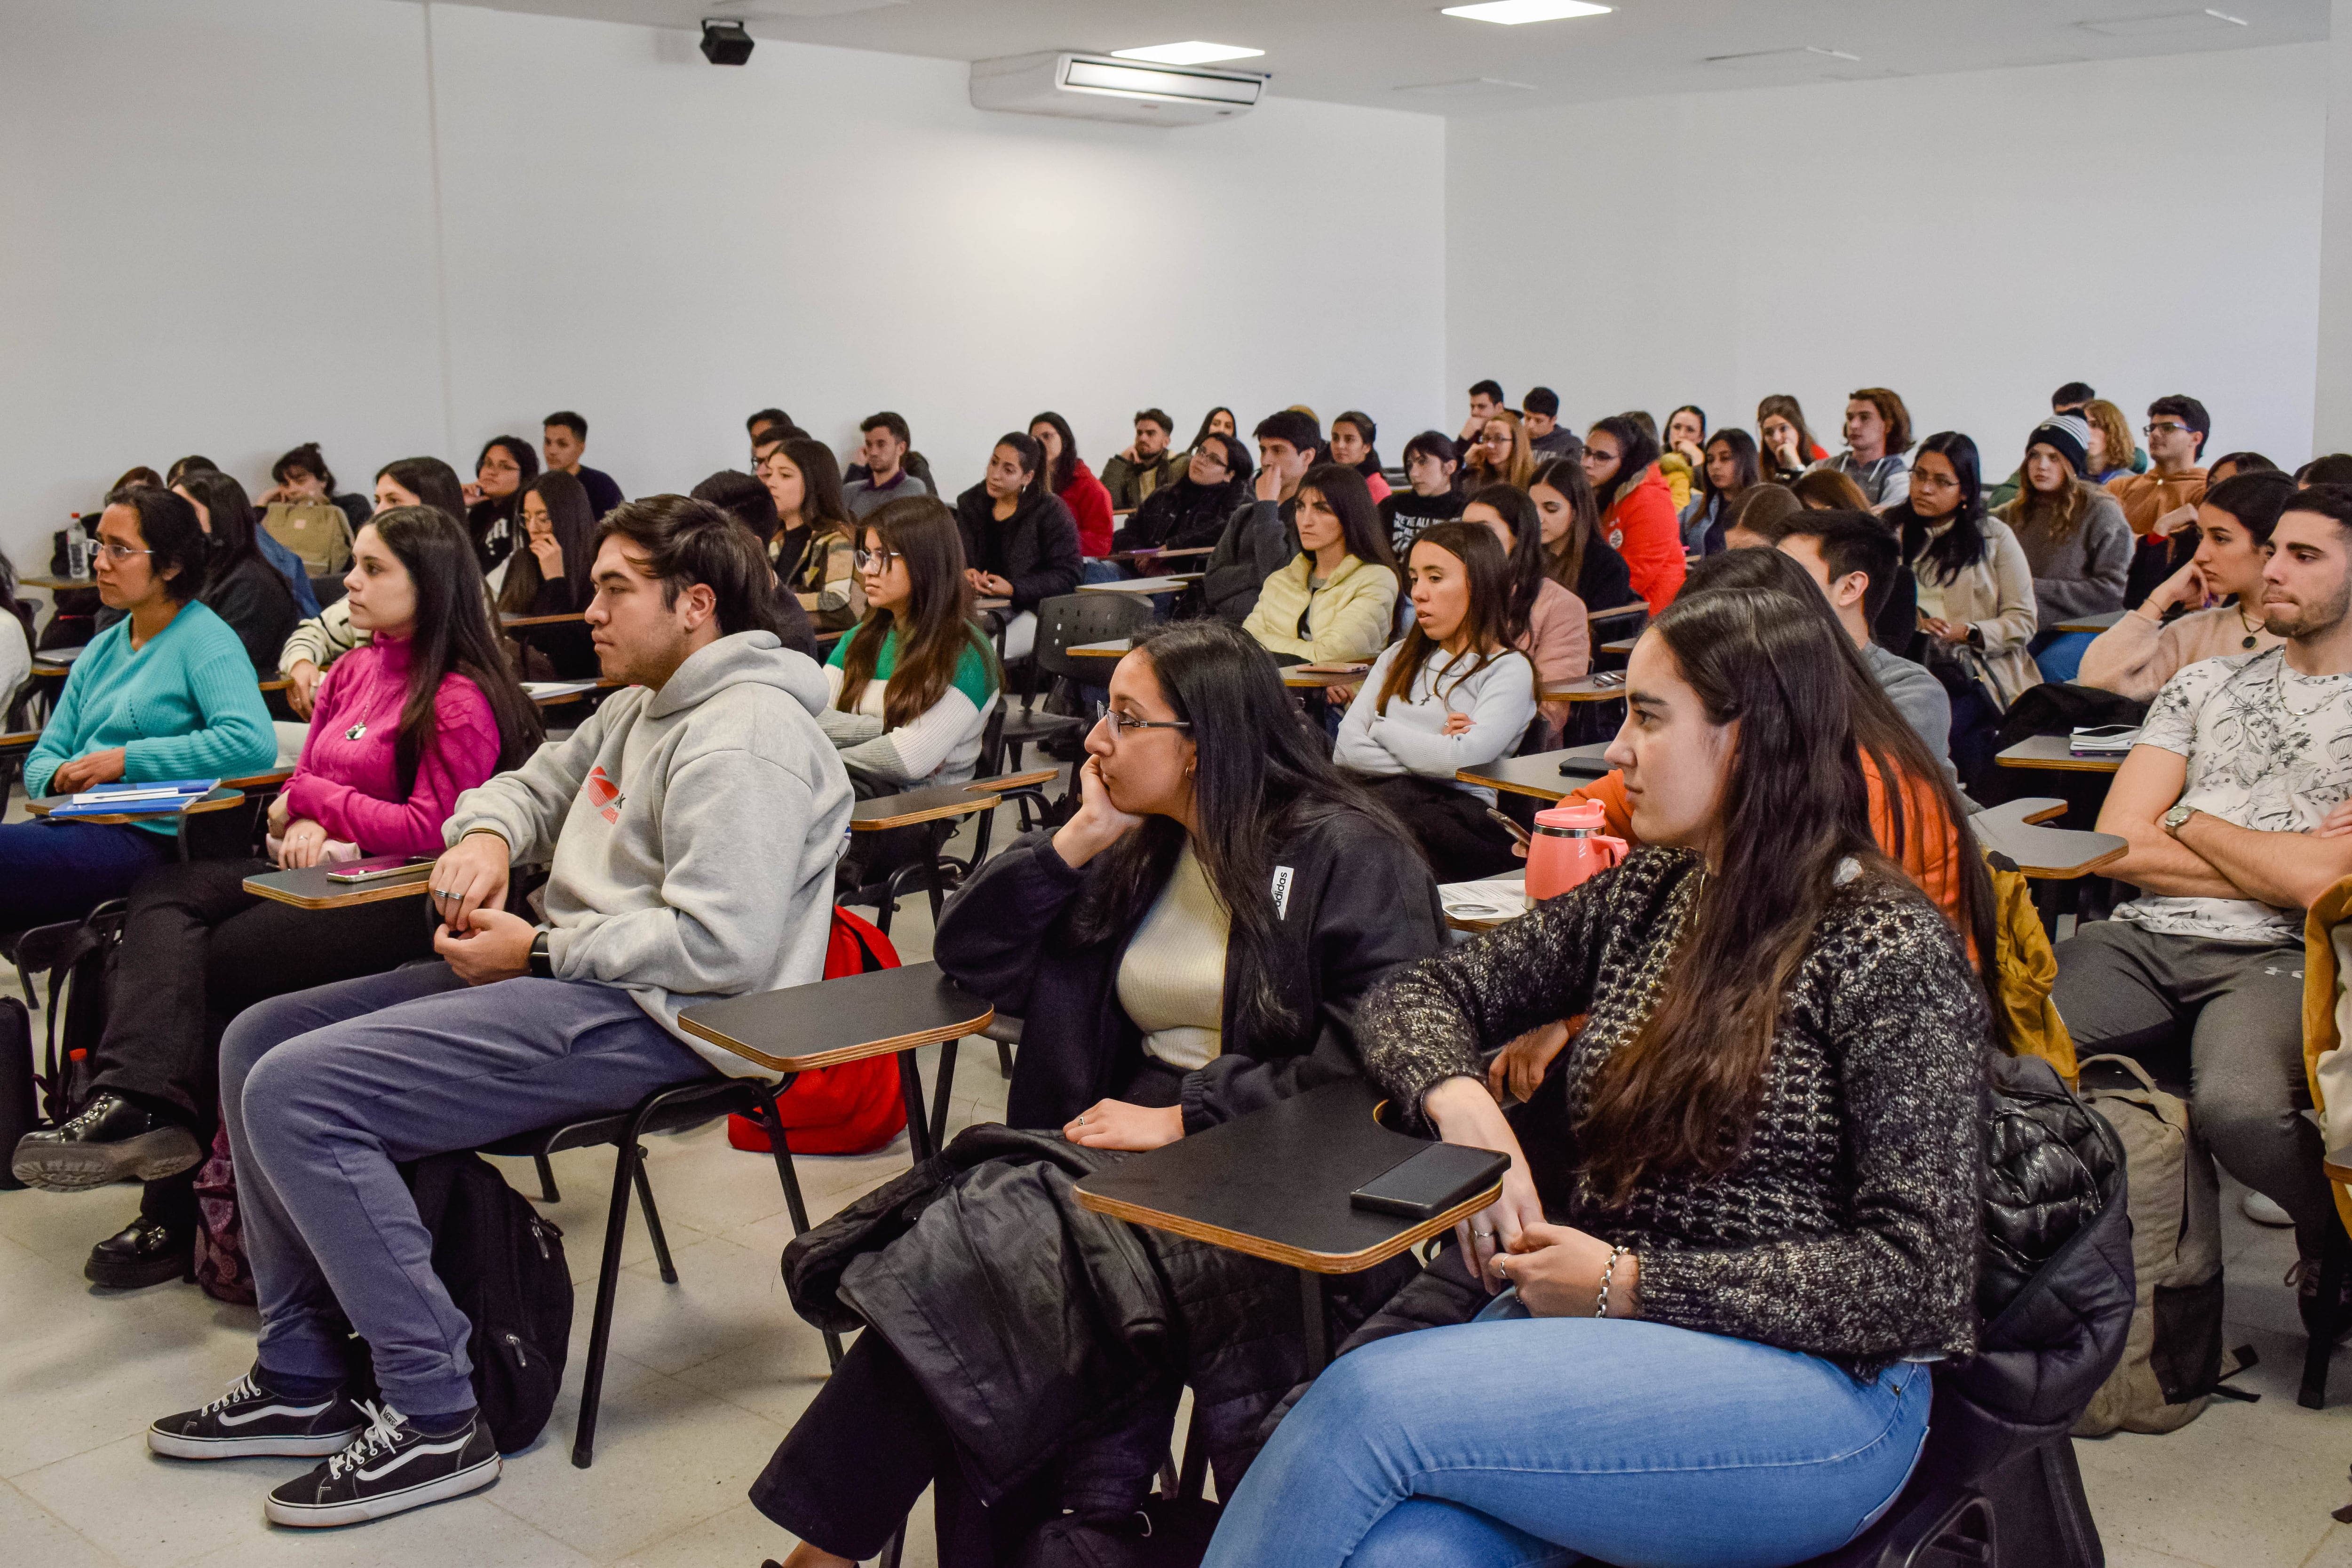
(144, 1252)
(110, 1140)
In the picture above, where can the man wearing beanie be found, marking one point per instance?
(2075, 539)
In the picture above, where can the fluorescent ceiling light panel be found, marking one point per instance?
(2207, 20)
(1191, 53)
(1465, 85)
(1511, 12)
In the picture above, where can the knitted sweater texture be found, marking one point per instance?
(1848, 1226)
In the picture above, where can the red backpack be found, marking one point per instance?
(852, 1109)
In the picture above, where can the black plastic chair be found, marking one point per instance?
(678, 1108)
(1063, 623)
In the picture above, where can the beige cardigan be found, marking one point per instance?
(2137, 656)
(1993, 595)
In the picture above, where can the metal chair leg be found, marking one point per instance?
(939, 1093)
(1193, 1480)
(608, 1274)
(793, 1205)
(546, 1191)
(919, 1126)
(653, 1221)
(1004, 1058)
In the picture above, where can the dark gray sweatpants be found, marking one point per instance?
(325, 1090)
(2235, 1013)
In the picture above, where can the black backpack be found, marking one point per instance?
(503, 1266)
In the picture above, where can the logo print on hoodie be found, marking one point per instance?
(604, 793)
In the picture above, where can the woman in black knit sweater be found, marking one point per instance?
(1767, 1133)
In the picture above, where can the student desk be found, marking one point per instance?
(308, 889)
(1621, 645)
(1112, 648)
(2043, 854)
(2054, 752)
(198, 833)
(933, 804)
(1589, 690)
(1469, 912)
(801, 1028)
(1298, 677)
(1145, 585)
(58, 584)
(220, 799)
(1549, 776)
(2097, 623)
(570, 618)
(1274, 1185)
(1619, 612)
(1133, 557)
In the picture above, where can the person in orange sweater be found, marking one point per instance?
(1637, 511)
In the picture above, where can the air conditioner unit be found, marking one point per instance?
(1093, 87)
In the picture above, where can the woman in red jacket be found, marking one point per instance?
(1068, 477)
(1637, 511)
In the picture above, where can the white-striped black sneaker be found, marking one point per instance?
(250, 1421)
(389, 1468)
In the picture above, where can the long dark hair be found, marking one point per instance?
(431, 481)
(1033, 458)
(1344, 491)
(1065, 466)
(453, 636)
(1486, 619)
(1260, 774)
(1372, 434)
(525, 454)
(1785, 408)
(823, 510)
(1202, 433)
(1681, 1096)
(230, 512)
(1636, 450)
(18, 608)
(936, 627)
(1962, 544)
(573, 517)
(310, 459)
(1565, 476)
(1524, 561)
(1747, 472)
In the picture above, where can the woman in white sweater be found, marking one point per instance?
(1977, 613)
(2138, 653)
(1454, 694)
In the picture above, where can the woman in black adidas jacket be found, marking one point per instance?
(1191, 946)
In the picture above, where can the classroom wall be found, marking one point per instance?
(1972, 240)
(234, 224)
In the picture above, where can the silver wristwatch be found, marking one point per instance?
(2177, 817)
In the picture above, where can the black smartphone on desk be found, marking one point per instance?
(1432, 1180)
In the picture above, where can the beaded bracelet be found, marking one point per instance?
(1608, 1272)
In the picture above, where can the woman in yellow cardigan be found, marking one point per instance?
(1336, 598)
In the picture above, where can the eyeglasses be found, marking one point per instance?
(1120, 723)
(120, 551)
(874, 560)
(2152, 429)
(1923, 480)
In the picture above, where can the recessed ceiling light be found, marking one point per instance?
(1511, 12)
(1192, 53)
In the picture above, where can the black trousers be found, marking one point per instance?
(196, 951)
(1462, 842)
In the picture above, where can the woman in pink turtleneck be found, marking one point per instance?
(423, 712)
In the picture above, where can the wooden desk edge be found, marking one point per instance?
(1036, 776)
(845, 1054)
(121, 818)
(2064, 764)
(1274, 1252)
(2074, 873)
(358, 893)
(964, 807)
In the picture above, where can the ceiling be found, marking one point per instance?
(1403, 54)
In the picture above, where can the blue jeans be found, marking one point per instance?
(324, 1092)
(1510, 1443)
(53, 871)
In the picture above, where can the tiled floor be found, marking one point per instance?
(707, 1375)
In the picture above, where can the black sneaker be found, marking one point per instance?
(109, 1140)
(250, 1421)
(389, 1468)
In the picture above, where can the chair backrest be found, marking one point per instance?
(1065, 622)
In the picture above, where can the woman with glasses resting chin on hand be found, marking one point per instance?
(1716, 1349)
(1189, 947)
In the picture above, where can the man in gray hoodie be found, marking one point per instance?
(691, 827)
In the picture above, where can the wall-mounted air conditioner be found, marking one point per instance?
(1093, 87)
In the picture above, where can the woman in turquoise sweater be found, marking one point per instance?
(167, 693)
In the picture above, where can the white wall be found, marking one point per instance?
(2332, 419)
(1960, 238)
(228, 225)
